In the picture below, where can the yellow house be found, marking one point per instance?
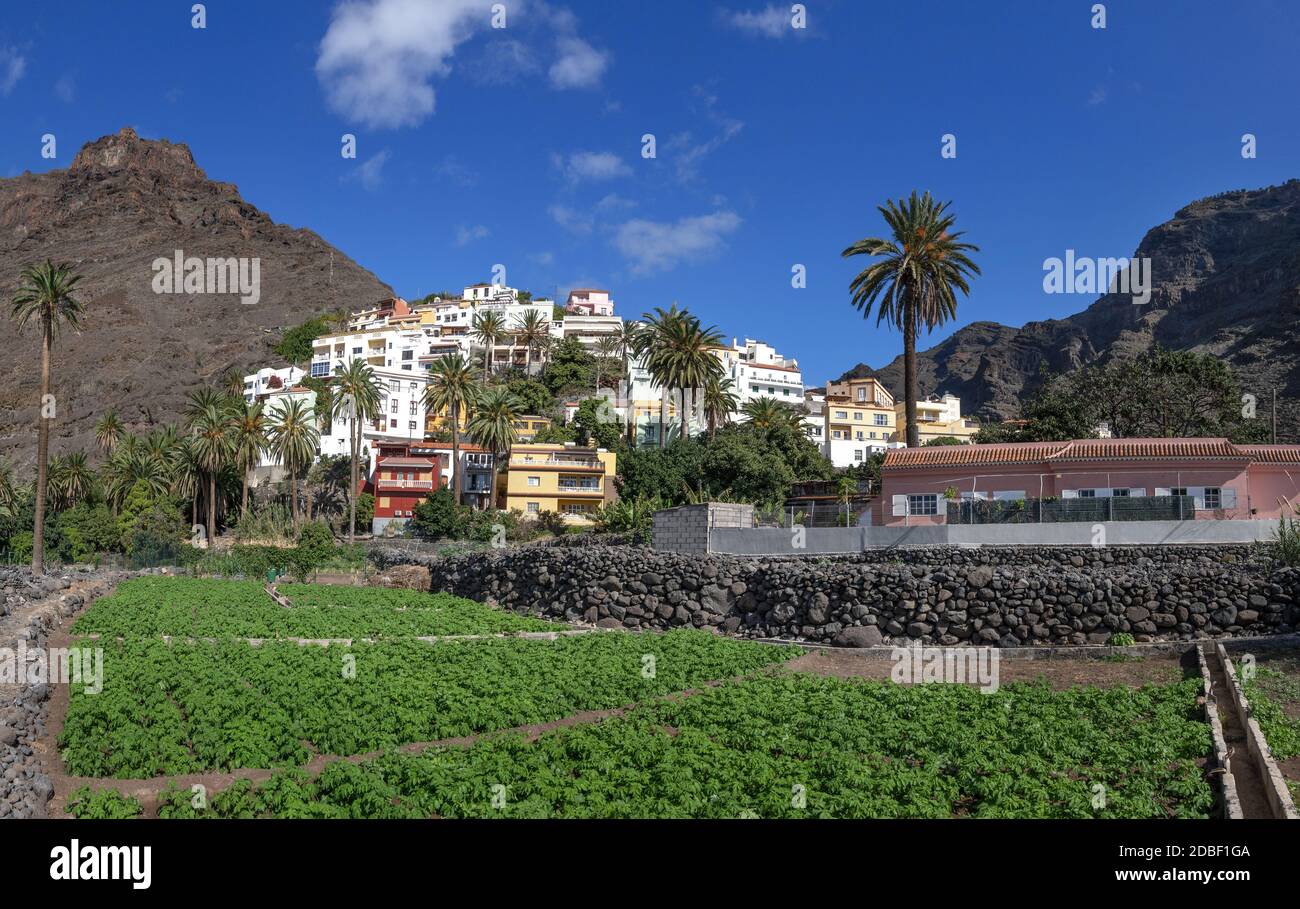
(859, 410)
(567, 479)
(528, 426)
(936, 418)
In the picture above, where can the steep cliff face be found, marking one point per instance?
(123, 203)
(1226, 276)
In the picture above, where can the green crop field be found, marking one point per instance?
(764, 742)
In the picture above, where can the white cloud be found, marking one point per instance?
(614, 202)
(370, 173)
(455, 171)
(378, 58)
(571, 219)
(579, 65)
(590, 165)
(686, 153)
(12, 67)
(769, 22)
(66, 88)
(543, 258)
(467, 235)
(1098, 96)
(661, 245)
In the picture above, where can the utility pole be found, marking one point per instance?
(1274, 414)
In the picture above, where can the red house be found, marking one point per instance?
(401, 481)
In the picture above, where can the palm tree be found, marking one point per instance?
(488, 329)
(532, 331)
(213, 448)
(686, 359)
(45, 294)
(493, 428)
(126, 468)
(765, 413)
(248, 443)
(720, 402)
(8, 497)
(651, 338)
(108, 431)
(453, 391)
(201, 399)
(71, 479)
(232, 383)
(607, 348)
(294, 438)
(923, 264)
(185, 474)
(356, 397)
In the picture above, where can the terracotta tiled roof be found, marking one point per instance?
(405, 462)
(971, 455)
(1272, 454)
(1048, 453)
(1148, 449)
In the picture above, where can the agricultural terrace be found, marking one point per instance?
(1274, 696)
(205, 684)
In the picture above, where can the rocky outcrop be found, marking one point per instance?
(1226, 273)
(124, 202)
(1006, 597)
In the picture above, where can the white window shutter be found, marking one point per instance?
(1227, 497)
(1163, 491)
(1137, 490)
(900, 506)
(1069, 493)
(1197, 493)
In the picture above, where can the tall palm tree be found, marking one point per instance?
(248, 443)
(493, 428)
(108, 431)
(232, 383)
(488, 329)
(213, 447)
(185, 475)
(356, 398)
(532, 331)
(452, 390)
(128, 467)
(686, 359)
(202, 398)
(923, 264)
(294, 437)
(720, 402)
(607, 347)
(45, 295)
(650, 339)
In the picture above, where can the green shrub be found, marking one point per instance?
(552, 522)
(1121, 639)
(1286, 541)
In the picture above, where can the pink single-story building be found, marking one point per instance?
(1226, 481)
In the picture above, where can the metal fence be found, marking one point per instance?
(1116, 508)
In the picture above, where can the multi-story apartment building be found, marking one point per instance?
(860, 420)
(814, 420)
(401, 419)
(758, 371)
(566, 479)
(936, 418)
(528, 426)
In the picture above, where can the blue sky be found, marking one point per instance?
(522, 146)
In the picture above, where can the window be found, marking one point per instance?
(862, 394)
(394, 386)
(857, 415)
(411, 425)
(394, 408)
(356, 350)
(857, 454)
(1213, 497)
(926, 504)
(882, 419)
(1178, 491)
(859, 435)
(841, 414)
(1087, 493)
(1119, 493)
(412, 408)
(407, 354)
(534, 481)
(532, 508)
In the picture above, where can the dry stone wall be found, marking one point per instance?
(991, 596)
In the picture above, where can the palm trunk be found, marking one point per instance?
(243, 497)
(352, 492)
(663, 417)
(909, 375)
(293, 499)
(212, 507)
(685, 417)
(455, 452)
(42, 460)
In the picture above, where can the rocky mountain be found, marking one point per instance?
(124, 203)
(1226, 281)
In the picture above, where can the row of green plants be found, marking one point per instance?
(790, 746)
(155, 606)
(202, 706)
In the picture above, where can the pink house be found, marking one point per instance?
(1226, 481)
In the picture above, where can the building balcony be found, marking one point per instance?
(576, 464)
(400, 485)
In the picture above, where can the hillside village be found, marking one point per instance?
(848, 421)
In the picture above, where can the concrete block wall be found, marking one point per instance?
(687, 527)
